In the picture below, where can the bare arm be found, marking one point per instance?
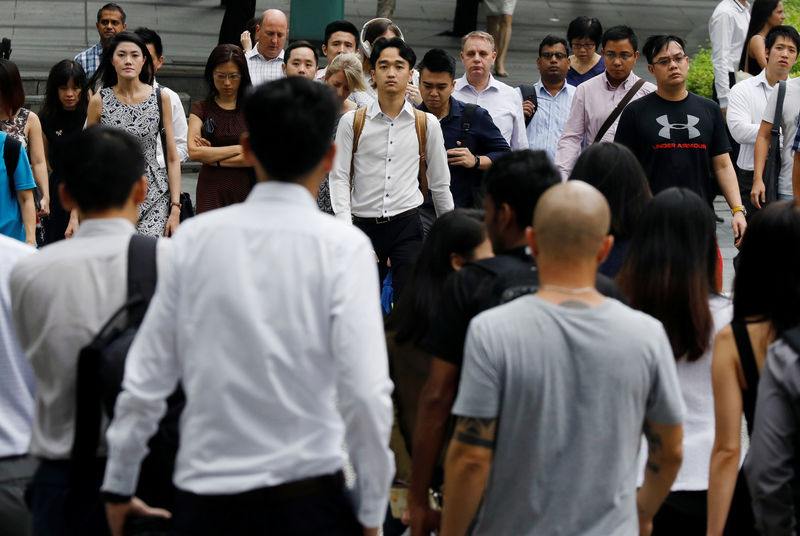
(28, 210)
(205, 154)
(758, 49)
(95, 110)
(796, 176)
(33, 131)
(758, 193)
(173, 167)
(727, 440)
(435, 403)
(663, 462)
(726, 177)
(469, 460)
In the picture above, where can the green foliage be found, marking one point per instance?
(701, 73)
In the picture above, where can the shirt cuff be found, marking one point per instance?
(120, 478)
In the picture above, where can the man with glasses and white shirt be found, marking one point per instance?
(597, 99)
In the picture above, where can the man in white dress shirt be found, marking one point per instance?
(60, 298)
(478, 86)
(727, 29)
(747, 100)
(265, 60)
(341, 37)
(384, 169)
(268, 314)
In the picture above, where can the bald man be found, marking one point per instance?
(265, 61)
(554, 392)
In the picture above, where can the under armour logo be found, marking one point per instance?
(691, 122)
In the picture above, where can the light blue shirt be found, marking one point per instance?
(545, 128)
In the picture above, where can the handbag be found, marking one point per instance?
(772, 167)
(187, 210)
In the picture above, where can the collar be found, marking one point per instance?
(761, 79)
(254, 52)
(281, 192)
(456, 108)
(462, 83)
(539, 86)
(740, 7)
(374, 108)
(626, 84)
(94, 227)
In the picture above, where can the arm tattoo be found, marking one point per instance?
(475, 431)
(654, 445)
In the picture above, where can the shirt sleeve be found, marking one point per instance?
(569, 144)
(519, 136)
(479, 388)
(438, 172)
(180, 127)
(151, 375)
(770, 463)
(720, 30)
(339, 177)
(738, 116)
(364, 388)
(665, 400)
(491, 142)
(23, 175)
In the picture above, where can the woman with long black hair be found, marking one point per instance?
(765, 15)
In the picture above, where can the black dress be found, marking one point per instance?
(59, 130)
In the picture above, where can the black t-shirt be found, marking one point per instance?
(675, 140)
(474, 289)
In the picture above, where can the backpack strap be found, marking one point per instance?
(618, 110)
(466, 122)
(528, 92)
(358, 125)
(142, 273)
(11, 150)
(421, 124)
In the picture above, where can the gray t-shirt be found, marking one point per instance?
(571, 389)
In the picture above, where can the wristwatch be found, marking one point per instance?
(477, 161)
(741, 209)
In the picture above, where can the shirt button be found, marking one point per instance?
(387, 195)
(390, 160)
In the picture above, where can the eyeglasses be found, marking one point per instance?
(221, 77)
(585, 46)
(611, 56)
(557, 55)
(664, 62)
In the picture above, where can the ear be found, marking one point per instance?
(531, 239)
(124, 27)
(651, 69)
(324, 50)
(636, 55)
(66, 200)
(327, 160)
(605, 249)
(283, 66)
(139, 191)
(247, 149)
(506, 216)
(453, 85)
(457, 261)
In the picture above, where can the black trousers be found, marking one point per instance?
(399, 240)
(329, 513)
(465, 19)
(683, 513)
(237, 14)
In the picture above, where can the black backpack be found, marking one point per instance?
(11, 150)
(101, 367)
(511, 278)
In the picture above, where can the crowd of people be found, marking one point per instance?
(410, 302)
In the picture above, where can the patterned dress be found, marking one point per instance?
(141, 120)
(15, 127)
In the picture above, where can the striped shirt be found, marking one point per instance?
(549, 119)
(263, 70)
(90, 59)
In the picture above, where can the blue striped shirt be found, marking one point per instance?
(545, 128)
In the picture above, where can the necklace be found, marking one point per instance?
(567, 290)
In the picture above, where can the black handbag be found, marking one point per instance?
(772, 168)
(187, 210)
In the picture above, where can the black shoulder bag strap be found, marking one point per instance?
(529, 92)
(466, 123)
(162, 132)
(618, 110)
(11, 150)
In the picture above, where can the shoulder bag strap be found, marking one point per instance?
(528, 91)
(421, 124)
(776, 123)
(162, 132)
(618, 110)
(746, 355)
(11, 150)
(358, 125)
(466, 122)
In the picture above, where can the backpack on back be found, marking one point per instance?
(11, 150)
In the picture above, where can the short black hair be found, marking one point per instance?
(340, 26)
(151, 37)
(518, 179)
(111, 6)
(620, 33)
(782, 31)
(588, 27)
(405, 51)
(101, 166)
(552, 40)
(290, 121)
(436, 60)
(655, 43)
(299, 44)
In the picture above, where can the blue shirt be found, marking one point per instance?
(551, 115)
(90, 59)
(483, 139)
(10, 213)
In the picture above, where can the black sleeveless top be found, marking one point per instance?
(750, 368)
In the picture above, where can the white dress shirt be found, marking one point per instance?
(386, 168)
(16, 375)
(261, 69)
(549, 119)
(746, 103)
(180, 128)
(266, 312)
(503, 103)
(727, 29)
(60, 298)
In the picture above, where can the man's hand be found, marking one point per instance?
(118, 513)
(528, 109)
(423, 519)
(739, 224)
(461, 156)
(413, 93)
(758, 194)
(370, 532)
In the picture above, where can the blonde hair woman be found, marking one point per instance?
(345, 75)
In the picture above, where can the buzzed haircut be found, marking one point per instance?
(405, 51)
(151, 37)
(552, 40)
(101, 166)
(436, 60)
(518, 179)
(620, 33)
(782, 31)
(299, 44)
(477, 34)
(341, 26)
(655, 43)
(290, 121)
(111, 6)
